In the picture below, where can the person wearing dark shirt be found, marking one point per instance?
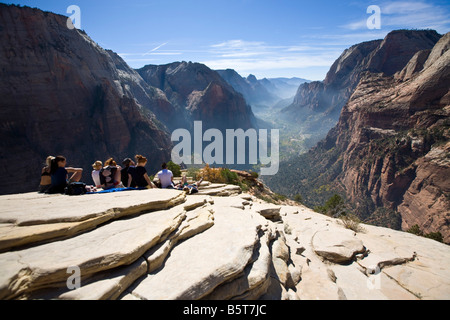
(46, 177)
(60, 175)
(127, 169)
(139, 174)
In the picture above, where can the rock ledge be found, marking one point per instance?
(216, 245)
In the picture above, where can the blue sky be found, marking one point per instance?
(267, 38)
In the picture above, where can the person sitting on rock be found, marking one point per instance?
(128, 167)
(46, 178)
(165, 177)
(110, 175)
(139, 174)
(97, 167)
(60, 175)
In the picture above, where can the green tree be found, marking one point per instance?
(415, 229)
(175, 168)
(298, 198)
(230, 177)
(335, 206)
(437, 236)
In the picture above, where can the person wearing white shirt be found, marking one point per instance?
(97, 166)
(165, 176)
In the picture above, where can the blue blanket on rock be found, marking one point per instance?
(115, 190)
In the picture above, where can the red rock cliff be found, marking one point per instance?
(394, 134)
(63, 94)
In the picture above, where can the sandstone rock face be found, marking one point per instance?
(317, 105)
(388, 154)
(254, 91)
(63, 94)
(147, 96)
(425, 203)
(380, 259)
(408, 171)
(164, 244)
(21, 228)
(204, 274)
(338, 246)
(199, 93)
(268, 212)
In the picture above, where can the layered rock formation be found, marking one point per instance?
(63, 94)
(404, 130)
(165, 245)
(318, 104)
(388, 154)
(199, 93)
(254, 92)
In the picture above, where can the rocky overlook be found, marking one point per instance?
(62, 94)
(219, 244)
(389, 153)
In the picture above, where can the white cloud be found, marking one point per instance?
(357, 25)
(165, 53)
(240, 49)
(140, 54)
(409, 15)
(243, 54)
(262, 58)
(238, 44)
(404, 7)
(345, 40)
(271, 64)
(300, 48)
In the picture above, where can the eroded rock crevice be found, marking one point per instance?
(206, 246)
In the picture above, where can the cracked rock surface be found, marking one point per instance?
(216, 245)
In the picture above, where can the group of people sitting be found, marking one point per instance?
(55, 176)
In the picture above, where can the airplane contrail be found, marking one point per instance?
(153, 50)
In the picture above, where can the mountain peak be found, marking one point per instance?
(57, 77)
(321, 102)
(252, 79)
(398, 47)
(190, 87)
